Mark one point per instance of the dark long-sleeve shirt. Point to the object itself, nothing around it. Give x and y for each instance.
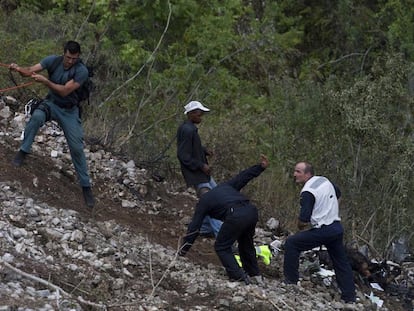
(219, 200)
(191, 154)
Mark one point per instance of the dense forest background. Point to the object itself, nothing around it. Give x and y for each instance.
(331, 82)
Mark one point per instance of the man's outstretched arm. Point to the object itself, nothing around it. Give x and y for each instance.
(241, 180)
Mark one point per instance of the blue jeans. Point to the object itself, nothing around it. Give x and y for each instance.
(210, 225)
(239, 225)
(332, 237)
(69, 121)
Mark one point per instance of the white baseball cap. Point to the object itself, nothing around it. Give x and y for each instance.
(194, 105)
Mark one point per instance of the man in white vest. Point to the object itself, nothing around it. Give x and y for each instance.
(319, 224)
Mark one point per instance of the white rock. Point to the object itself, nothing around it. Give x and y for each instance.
(8, 258)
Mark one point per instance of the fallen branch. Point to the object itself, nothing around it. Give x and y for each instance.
(285, 304)
(172, 263)
(266, 299)
(52, 286)
(372, 248)
(272, 303)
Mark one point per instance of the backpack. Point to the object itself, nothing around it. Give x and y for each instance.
(84, 91)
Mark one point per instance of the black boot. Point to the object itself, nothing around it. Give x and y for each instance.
(88, 196)
(19, 158)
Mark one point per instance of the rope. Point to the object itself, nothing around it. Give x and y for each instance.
(17, 86)
(21, 70)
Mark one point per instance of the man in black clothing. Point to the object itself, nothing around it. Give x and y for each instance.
(193, 159)
(239, 216)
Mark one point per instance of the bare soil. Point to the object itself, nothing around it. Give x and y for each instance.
(66, 193)
(163, 228)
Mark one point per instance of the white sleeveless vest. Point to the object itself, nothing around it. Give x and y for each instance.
(325, 210)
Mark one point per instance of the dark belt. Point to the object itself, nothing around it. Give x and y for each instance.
(336, 221)
(237, 204)
(68, 105)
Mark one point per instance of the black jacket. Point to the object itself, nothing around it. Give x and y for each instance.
(218, 201)
(191, 154)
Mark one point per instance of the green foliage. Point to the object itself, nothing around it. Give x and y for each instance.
(134, 54)
(297, 80)
(397, 15)
(375, 117)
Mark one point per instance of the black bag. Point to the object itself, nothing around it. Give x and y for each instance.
(84, 91)
(36, 103)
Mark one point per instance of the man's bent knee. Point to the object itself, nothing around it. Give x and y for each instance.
(38, 117)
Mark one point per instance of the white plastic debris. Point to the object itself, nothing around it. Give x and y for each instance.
(374, 299)
(275, 247)
(376, 286)
(325, 273)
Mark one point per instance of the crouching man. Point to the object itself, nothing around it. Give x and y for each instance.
(239, 216)
(320, 224)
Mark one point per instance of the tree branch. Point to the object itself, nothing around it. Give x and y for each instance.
(339, 59)
(150, 58)
(51, 285)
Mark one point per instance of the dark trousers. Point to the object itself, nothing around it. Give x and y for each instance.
(69, 121)
(239, 225)
(332, 237)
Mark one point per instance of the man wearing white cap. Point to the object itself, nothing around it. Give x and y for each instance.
(193, 159)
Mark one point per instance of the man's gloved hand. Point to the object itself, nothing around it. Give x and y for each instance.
(185, 247)
(182, 252)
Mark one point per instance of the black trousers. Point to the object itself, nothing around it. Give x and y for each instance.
(332, 237)
(239, 225)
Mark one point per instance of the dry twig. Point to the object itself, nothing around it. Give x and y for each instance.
(52, 286)
(166, 271)
(150, 58)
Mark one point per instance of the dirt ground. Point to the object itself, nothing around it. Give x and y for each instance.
(67, 194)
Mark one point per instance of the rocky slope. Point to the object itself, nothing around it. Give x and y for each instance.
(55, 254)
